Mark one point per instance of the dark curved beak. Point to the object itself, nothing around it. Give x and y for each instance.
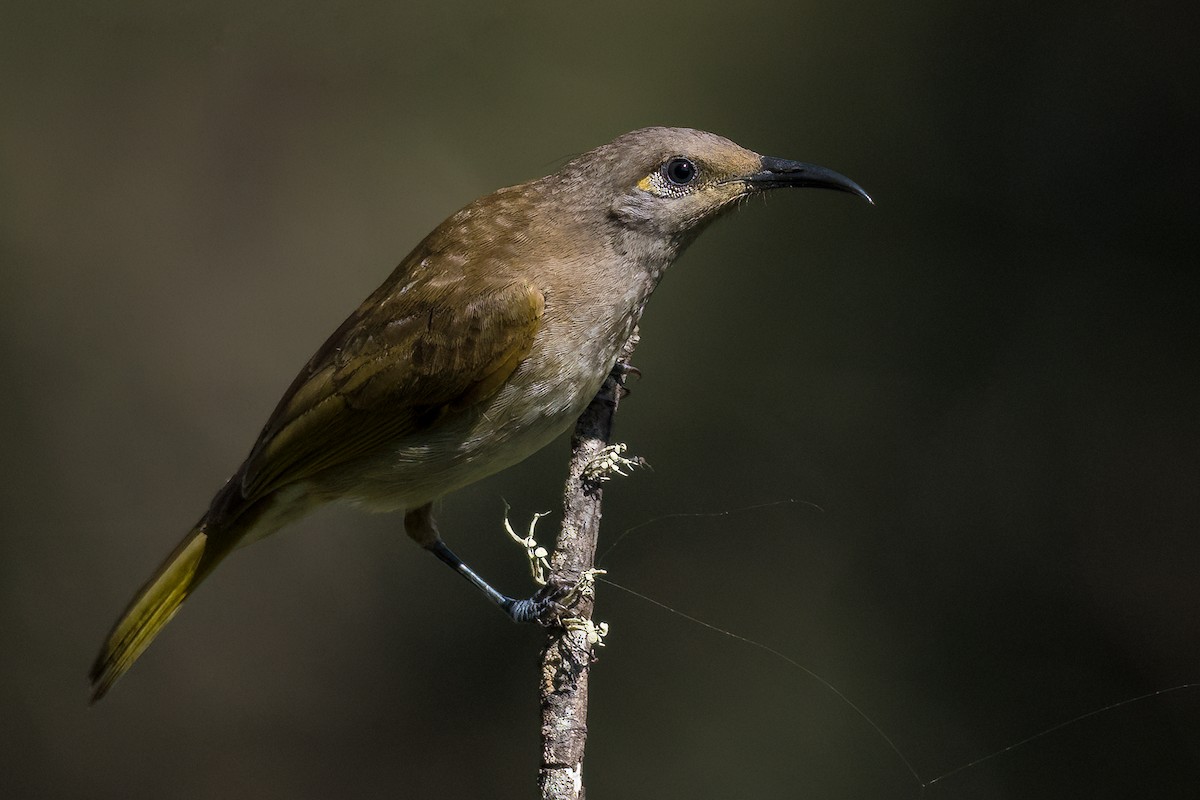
(779, 173)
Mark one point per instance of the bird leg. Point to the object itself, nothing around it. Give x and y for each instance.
(539, 566)
(547, 603)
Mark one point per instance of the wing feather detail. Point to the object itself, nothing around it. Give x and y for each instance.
(385, 375)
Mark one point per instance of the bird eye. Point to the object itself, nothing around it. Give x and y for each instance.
(679, 171)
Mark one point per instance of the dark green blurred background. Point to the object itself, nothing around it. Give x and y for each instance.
(987, 383)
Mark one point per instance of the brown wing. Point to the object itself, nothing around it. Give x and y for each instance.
(409, 354)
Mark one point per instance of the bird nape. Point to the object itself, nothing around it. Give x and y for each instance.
(485, 343)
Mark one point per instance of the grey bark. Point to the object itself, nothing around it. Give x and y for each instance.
(567, 657)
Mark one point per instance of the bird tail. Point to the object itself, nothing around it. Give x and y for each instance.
(154, 606)
(231, 521)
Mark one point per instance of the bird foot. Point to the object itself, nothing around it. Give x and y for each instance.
(550, 603)
(622, 369)
(546, 605)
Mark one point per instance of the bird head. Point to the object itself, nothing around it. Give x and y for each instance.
(670, 181)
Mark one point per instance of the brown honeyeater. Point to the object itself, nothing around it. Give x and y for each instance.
(485, 343)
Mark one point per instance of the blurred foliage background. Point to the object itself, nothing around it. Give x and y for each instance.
(981, 396)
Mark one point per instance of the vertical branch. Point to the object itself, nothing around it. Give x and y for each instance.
(567, 656)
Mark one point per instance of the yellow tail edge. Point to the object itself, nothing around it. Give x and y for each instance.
(151, 609)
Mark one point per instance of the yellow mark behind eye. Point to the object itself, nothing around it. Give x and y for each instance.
(645, 184)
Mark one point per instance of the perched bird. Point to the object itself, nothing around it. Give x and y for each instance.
(486, 342)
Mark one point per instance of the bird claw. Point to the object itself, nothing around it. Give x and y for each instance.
(585, 587)
(545, 606)
(549, 603)
(622, 369)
